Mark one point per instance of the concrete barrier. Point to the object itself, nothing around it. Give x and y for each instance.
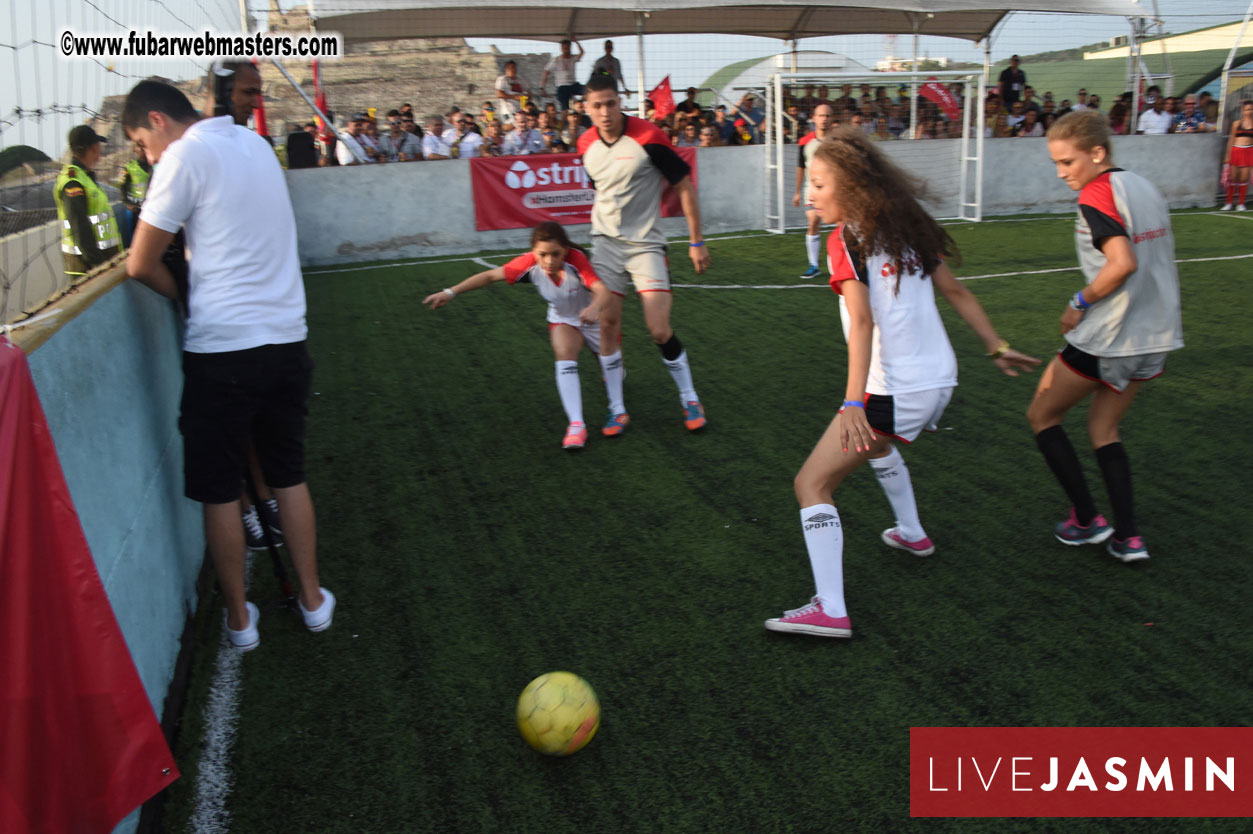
(421, 209)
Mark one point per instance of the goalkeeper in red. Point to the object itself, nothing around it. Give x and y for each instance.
(630, 162)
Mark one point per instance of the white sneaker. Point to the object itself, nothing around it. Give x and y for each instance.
(319, 620)
(247, 638)
(1226, 207)
(1241, 207)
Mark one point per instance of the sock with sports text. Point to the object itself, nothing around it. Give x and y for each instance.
(1061, 458)
(812, 242)
(824, 539)
(1116, 469)
(675, 357)
(568, 388)
(893, 476)
(614, 372)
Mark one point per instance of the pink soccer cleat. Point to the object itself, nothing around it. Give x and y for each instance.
(576, 436)
(811, 619)
(922, 547)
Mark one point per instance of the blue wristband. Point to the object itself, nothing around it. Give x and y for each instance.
(854, 404)
(702, 243)
(1078, 302)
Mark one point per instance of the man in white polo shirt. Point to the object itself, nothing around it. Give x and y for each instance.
(1155, 121)
(247, 372)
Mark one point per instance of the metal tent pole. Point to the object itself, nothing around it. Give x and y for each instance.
(639, 42)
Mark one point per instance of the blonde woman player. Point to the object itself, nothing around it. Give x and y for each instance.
(1118, 329)
(1240, 158)
(886, 259)
(565, 279)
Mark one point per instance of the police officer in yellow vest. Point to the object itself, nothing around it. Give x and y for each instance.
(89, 232)
(134, 187)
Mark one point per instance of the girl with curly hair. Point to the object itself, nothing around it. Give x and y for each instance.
(886, 258)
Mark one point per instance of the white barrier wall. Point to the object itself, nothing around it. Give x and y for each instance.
(425, 209)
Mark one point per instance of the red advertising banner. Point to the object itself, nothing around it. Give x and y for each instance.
(939, 94)
(82, 747)
(1081, 771)
(518, 192)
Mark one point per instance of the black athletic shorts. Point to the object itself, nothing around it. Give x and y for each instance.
(259, 395)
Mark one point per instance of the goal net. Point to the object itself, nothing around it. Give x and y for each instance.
(929, 123)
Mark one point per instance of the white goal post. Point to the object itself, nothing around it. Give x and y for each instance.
(952, 168)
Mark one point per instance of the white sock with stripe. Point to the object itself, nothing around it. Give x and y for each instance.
(812, 242)
(614, 372)
(568, 388)
(824, 539)
(681, 373)
(893, 476)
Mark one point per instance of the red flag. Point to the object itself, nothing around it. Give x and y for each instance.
(319, 98)
(940, 94)
(258, 114)
(663, 99)
(82, 747)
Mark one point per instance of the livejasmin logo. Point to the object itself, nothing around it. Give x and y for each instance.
(1080, 771)
(1023, 776)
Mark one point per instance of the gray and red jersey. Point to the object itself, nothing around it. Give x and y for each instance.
(909, 350)
(567, 294)
(629, 176)
(1143, 315)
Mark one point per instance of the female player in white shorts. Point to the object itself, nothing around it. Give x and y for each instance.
(566, 280)
(886, 260)
(1118, 328)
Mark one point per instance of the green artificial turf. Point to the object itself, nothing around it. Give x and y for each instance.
(470, 554)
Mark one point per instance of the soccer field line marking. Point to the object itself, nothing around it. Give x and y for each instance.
(1229, 214)
(959, 278)
(482, 262)
(213, 773)
(214, 777)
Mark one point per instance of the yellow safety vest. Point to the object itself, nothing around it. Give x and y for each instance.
(99, 212)
(138, 188)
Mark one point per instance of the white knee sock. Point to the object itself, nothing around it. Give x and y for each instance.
(824, 539)
(568, 388)
(681, 373)
(893, 476)
(612, 369)
(811, 248)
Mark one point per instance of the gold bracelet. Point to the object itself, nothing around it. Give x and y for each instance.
(1000, 350)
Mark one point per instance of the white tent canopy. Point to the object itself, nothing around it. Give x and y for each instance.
(552, 20)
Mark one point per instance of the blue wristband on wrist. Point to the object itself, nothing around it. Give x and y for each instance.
(702, 243)
(854, 404)
(1079, 303)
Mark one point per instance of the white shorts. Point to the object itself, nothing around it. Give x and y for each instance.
(905, 416)
(591, 332)
(619, 263)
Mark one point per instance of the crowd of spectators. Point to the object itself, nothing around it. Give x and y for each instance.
(520, 122)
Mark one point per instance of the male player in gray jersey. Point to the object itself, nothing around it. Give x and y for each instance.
(630, 162)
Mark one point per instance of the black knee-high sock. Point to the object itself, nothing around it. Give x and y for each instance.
(672, 349)
(1116, 468)
(1061, 458)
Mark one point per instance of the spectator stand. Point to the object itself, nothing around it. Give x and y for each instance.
(961, 193)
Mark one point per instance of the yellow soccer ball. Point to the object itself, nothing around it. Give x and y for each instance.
(558, 713)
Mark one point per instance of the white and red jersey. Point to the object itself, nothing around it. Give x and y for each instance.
(1143, 315)
(909, 350)
(629, 176)
(567, 294)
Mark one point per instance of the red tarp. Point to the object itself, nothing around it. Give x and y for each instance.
(517, 192)
(80, 747)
